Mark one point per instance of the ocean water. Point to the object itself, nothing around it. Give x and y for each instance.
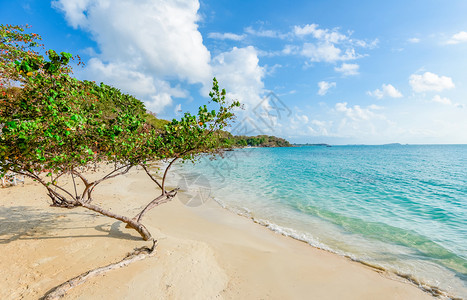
(399, 207)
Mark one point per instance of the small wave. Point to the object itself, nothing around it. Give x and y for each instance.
(286, 231)
(314, 242)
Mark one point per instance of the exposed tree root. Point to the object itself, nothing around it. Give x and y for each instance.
(138, 254)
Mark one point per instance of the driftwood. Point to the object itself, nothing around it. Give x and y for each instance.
(60, 290)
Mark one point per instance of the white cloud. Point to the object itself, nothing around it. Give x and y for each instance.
(360, 123)
(387, 90)
(355, 112)
(402, 121)
(330, 45)
(375, 107)
(158, 102)
(226, 36)
(152, 42)
(430, 82)
(305, 30)
(74, 11)
(414, 40)
(324, 86)
(460, 37)
(373, 44)
(302, 118)
(239, 72)
(266, 33)
(118, 74)
(348, 69)
(442, 100)
(290, 49)
(326, 52)
(319, 45)
(330, 36)
(301, 125)
(319, 128)
(156, 93)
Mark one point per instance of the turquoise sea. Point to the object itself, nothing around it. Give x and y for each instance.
(399, 207)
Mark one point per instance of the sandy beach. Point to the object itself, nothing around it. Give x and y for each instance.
(203, 253)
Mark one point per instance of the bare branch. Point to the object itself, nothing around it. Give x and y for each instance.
(165, 174)
(112, 175)
(158, 201)
(60, 291)
(90, 187)
(150, 175)
(47, 186)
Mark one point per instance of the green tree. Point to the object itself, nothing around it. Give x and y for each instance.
(55, 128)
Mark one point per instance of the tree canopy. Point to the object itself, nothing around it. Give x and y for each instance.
(55, 128)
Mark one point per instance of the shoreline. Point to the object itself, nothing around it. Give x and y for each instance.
(204, 252)
(390, 274)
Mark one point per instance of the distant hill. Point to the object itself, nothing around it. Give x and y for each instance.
(238, 141)
(234, 141)
(154, 121)
(261, 141)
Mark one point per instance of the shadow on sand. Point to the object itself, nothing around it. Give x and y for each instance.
(27, 223)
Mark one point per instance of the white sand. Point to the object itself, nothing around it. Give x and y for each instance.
(203, 253)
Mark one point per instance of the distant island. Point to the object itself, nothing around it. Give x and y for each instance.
(312, 145)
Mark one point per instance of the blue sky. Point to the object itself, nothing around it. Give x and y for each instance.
(340, 72)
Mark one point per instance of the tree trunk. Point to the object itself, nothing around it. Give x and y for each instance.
(61, 201)
(142, 230)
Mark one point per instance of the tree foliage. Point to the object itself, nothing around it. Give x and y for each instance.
(16, 46)
(55, 128)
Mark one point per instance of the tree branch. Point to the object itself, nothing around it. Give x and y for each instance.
(165, 174)
(150, 176)
(158, 201)
(111, 175)
(51, 192)
(90, 188)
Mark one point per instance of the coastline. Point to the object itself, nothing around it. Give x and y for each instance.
(394, 275)
(204, 252)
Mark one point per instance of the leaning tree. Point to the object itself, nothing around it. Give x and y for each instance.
(55, 128)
